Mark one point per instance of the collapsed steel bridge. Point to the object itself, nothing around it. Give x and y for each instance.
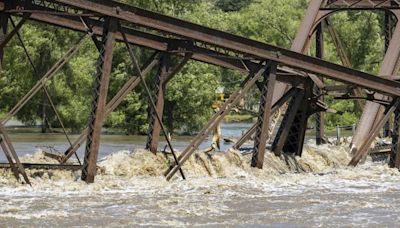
(292, 82)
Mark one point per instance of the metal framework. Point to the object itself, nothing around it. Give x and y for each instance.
(292, 82)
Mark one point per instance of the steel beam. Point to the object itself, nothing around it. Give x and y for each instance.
(389, 25)
(5, 40)
(44, 166)
(265, 111)
(363, 151)
(49, 75)
(344, 75)
(100, 91)
(153, 136)
(372, 110)
(363, 4)
(342, 53)
(113, 104)
(11, 155)
(319, 117)
(215, 120)
(3, 35)
(275, 107)
(287, 121)
(394, 161)
(295, 140)
(235, 43)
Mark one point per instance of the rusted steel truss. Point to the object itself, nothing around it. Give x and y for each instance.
(288, 75)
(100, 91)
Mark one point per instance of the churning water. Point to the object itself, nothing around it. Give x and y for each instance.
(222, 190)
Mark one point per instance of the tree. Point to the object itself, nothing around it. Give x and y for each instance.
(232, 5)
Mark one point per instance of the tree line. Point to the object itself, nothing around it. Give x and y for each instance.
(191, 93)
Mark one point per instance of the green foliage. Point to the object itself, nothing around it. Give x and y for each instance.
(232, 5)
(193, 92)
(190, 94)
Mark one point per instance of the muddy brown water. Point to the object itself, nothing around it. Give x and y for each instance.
(317, 190)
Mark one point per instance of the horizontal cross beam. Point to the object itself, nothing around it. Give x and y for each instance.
(234, 43)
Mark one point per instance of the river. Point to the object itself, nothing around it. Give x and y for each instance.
(316, 190)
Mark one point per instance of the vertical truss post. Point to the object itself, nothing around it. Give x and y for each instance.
(99, 100)
(264, 115)
(5, 142)
(113, 104)
(153, 136)
(394, 161)
(319, 116)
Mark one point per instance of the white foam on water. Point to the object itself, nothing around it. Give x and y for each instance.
(222, 189)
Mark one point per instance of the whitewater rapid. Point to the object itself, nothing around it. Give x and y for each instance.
(317, 189)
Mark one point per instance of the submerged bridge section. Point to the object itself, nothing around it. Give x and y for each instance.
(292, 82)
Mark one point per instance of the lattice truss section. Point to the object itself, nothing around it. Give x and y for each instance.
(363, 4)
(96, 94)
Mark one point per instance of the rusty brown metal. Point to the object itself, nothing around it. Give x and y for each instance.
(287, 122)
(372, 110)
(215, 120)
(113, 104)
(163, 77)
(394, 161)
(265, 111)
(232, 42)
(13, 32)
(320, 116)
(363, 151)
(215, 47)
(153, 136)
(277, 105)
(10, 152)
(39, 85)
(46, 92)
(152, 103)
(100, 92)
(3, 34)
(342, 53)
(362, 4)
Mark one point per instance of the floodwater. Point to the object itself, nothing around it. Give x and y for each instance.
(316, 190)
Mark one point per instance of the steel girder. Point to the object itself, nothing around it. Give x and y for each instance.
(362, 4)
(372, 113)
(153, 135)
(206, 40)
(233, 43)
(320, 116)
(264, 116)
(217, 118)
(100, 92)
